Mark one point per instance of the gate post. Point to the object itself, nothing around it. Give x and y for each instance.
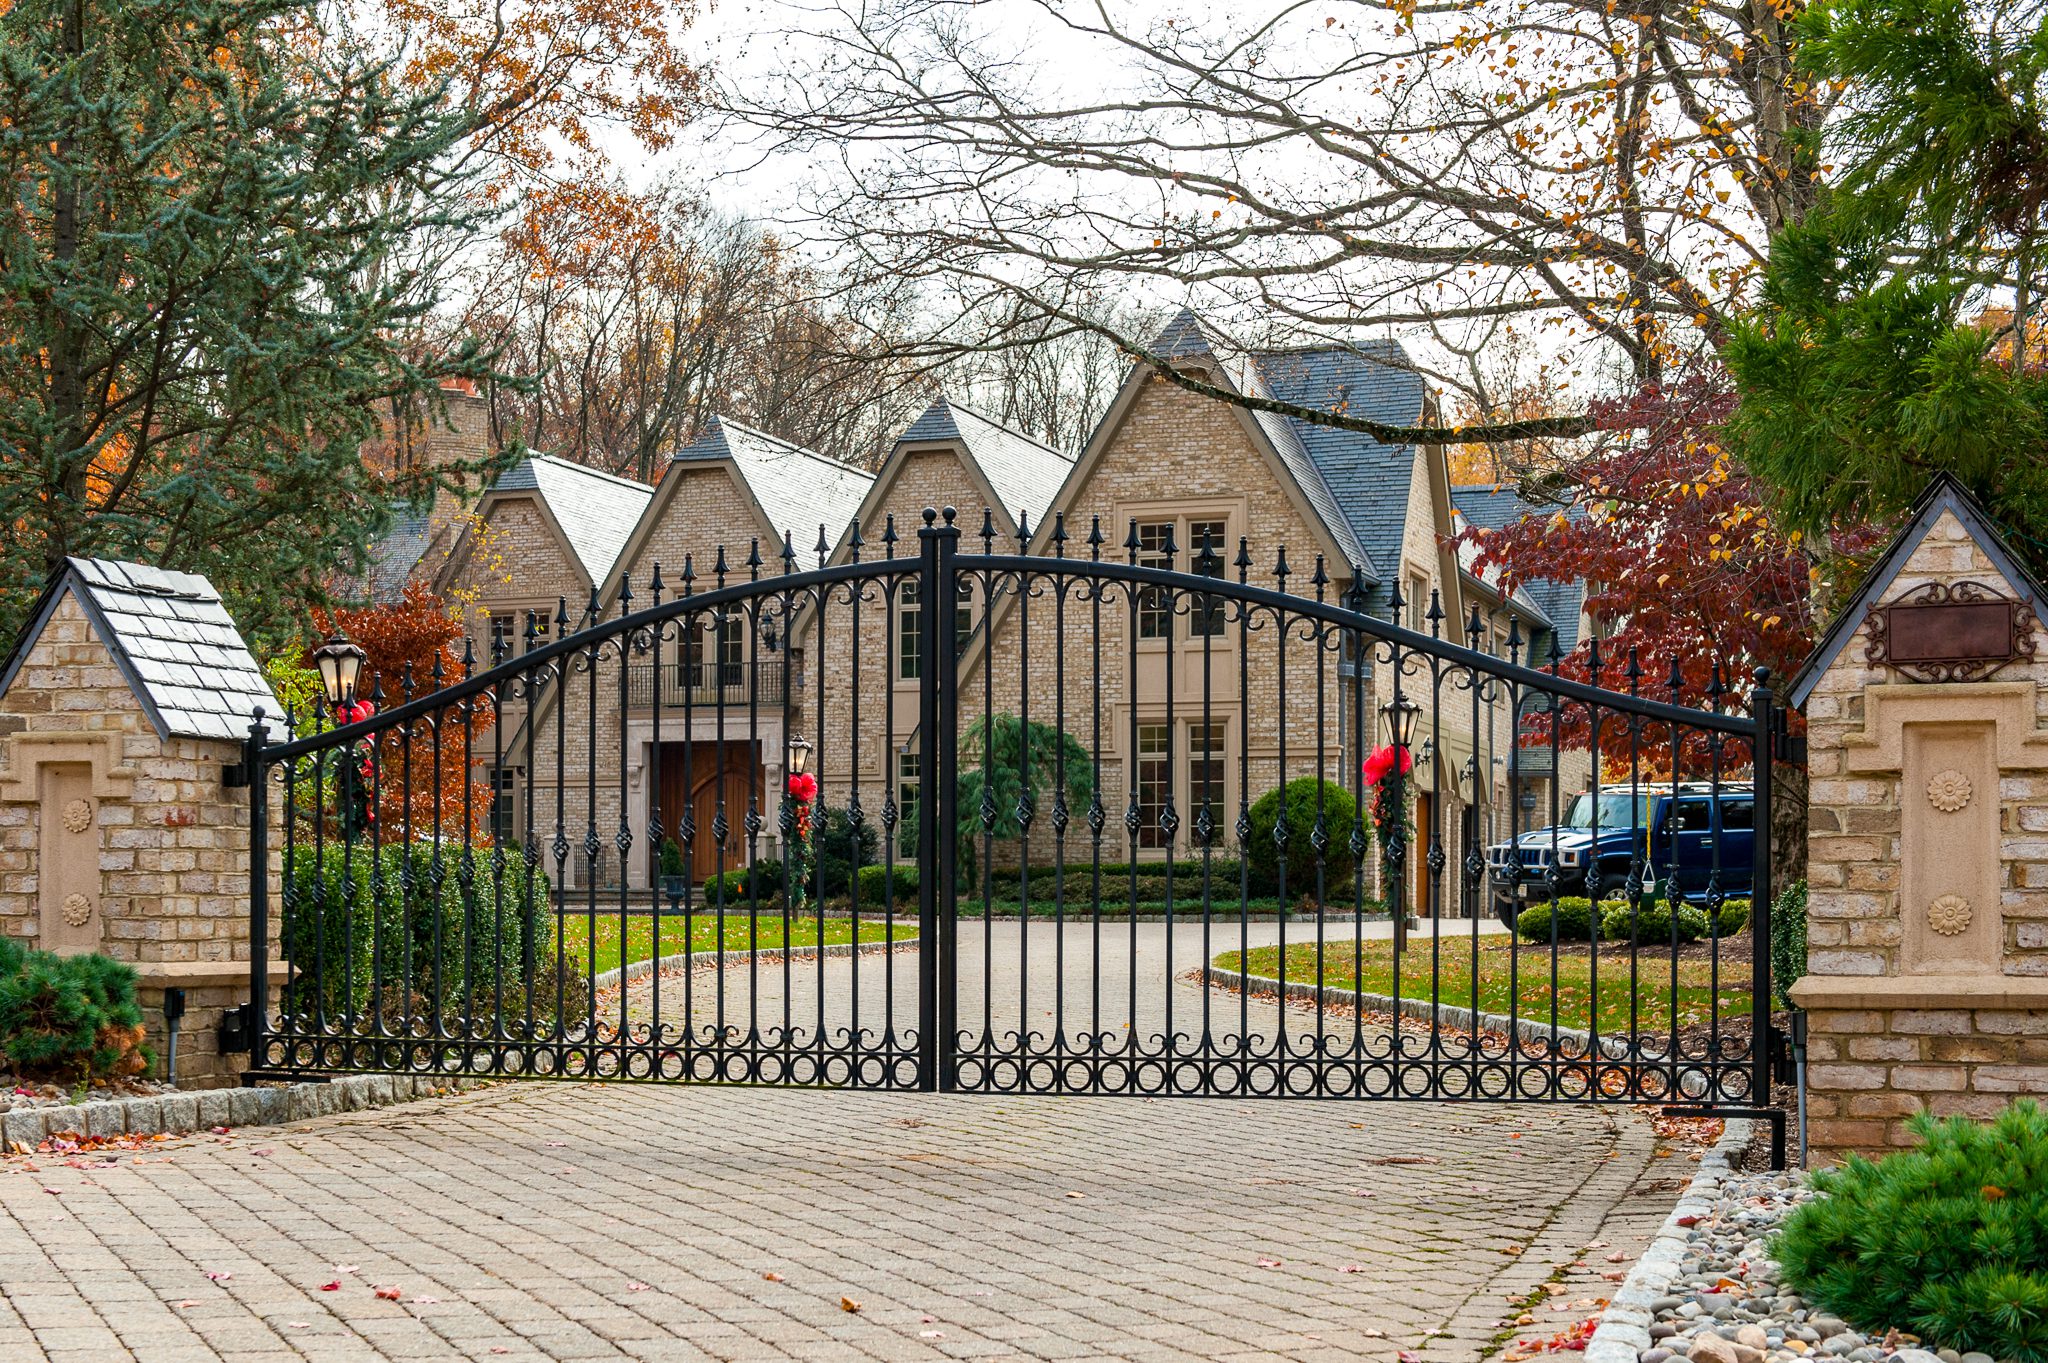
(257, 1025)
(1763, 708)
(937, 852)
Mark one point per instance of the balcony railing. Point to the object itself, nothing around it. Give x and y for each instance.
(708, 683)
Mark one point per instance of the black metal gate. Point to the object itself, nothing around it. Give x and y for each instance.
(1089, 816)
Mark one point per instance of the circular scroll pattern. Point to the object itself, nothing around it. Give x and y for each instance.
(1948, 791)
(1949, 915)
(77, 910)
(78, 816)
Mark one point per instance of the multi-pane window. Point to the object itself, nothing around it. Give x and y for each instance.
(1205, 550)
(1155, 782)
(1418, 603)
(908, 768)
(909, 633)
(504, 804)
(910, 626)
(1205, 770)
(504, 636)
(1155, 612)
(537, 623)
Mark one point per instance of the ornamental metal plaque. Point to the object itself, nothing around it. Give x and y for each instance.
(1940, 632)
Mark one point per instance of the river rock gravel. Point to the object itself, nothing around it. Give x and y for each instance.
(1726, 1304)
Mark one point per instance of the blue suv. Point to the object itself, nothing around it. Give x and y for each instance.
(1693, 837)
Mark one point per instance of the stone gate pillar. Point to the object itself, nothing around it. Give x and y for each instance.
(123, 710)
(1927, 725)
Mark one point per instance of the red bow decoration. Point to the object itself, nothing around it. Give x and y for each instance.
(1381, 763)
(803, 787)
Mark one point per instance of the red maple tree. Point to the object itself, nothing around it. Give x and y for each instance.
(1692, 583)
(414, 646)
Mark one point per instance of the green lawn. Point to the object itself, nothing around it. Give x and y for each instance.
(1498, 959)
(764, 934)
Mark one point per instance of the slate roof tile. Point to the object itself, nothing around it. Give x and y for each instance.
(172, 638)
(1026, 474)
(799, 489)
(597, 511)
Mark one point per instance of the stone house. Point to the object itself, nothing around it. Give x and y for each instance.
(705, 729)
(538, 548)
(123, 712)
(951, 455)
(1167, 472)
(1188, 732)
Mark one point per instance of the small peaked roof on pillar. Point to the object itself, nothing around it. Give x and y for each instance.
(173, 641)
(1944, 494)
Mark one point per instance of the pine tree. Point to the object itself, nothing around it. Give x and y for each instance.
(1863, 374)
(203, 290)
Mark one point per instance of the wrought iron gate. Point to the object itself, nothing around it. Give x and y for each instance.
(1080, 771)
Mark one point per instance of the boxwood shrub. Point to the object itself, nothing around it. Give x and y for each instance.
(1949, 1241)
(1338, 812)
(1573, 915)
(417, 929)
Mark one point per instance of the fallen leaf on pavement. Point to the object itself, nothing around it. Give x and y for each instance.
(219, 1275)
(931, 1334)
(849, 1305)
(772, 1276)
(393, 1293)
(1269, 1263)
(1618, 1257)
(1352, 1268)
(636, 1287)
(334, 1286)
(186, 1304)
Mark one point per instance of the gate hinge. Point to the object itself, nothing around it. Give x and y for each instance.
(237, 1029)
(1785, 1049)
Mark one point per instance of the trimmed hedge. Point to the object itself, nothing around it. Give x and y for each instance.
(1949, 1240)
(418, 929)
(1339, 814)
(1788, 941)
(69, 1018)
(1573, 916)
(1651, 924)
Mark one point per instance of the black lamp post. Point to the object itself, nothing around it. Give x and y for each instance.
(1397, 724)
(340, 664)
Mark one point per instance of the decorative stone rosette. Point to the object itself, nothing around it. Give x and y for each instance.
(78, 910)
(1949, 915)
(1948, 791)
(77, 816)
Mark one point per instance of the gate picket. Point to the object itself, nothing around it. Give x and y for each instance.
(1153, 697)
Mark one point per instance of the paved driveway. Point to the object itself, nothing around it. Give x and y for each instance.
(667, 1222)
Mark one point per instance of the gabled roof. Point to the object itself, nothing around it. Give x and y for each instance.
(595, 511)
(1369, 482)
(1188, 337)
(1944, 494)
(798, 490)
(1494, 507)
(1025, 474)
(172, 640)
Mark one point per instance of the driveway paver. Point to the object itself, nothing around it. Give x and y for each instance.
(561, 1221)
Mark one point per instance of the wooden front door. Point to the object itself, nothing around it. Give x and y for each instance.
(694, 777)
(1418, 853)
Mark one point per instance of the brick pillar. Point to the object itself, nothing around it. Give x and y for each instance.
(1928, 839)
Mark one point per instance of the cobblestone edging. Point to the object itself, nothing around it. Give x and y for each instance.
(1449, 1015)
(1624, 1329)
(180, 1114)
